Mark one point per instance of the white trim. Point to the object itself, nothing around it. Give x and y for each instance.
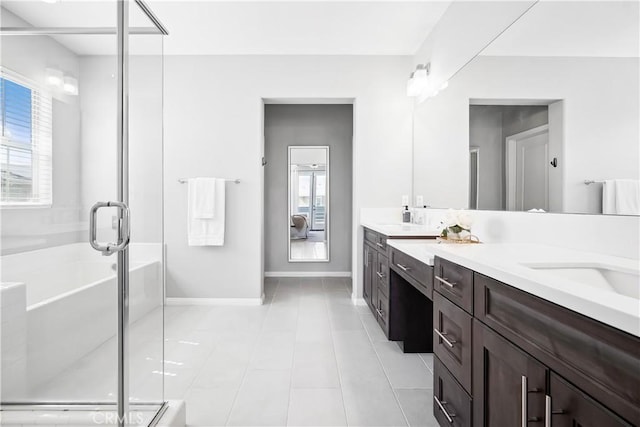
(307, 274)
(215, 301)
(358, 301)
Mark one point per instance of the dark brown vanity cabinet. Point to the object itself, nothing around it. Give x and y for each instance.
(569, 407)
(509, 385)
(532, 362)
(376, 277)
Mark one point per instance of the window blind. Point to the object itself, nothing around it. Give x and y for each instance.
(25, 142)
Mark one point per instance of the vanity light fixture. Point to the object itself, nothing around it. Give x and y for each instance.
(70, 85)
(54, 77)
(418, 80)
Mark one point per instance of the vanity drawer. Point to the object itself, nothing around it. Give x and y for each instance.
(420, 275)
(382, 274)
(376, 240)
(452, 338)
(382, 308)
(450, 397)
(454, 282)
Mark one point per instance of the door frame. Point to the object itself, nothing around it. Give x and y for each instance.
(511, 160)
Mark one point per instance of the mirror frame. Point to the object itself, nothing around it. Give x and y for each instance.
(327, 226)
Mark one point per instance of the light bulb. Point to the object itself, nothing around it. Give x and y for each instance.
(70, 85)
(54, 77)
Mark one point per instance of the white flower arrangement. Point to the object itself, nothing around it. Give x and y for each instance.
(456, 223)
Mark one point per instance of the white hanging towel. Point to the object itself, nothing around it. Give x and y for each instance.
(202, 197)
(627, 196)
(609, 197)
(206, 208)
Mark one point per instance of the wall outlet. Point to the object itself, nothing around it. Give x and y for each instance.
(419, 201)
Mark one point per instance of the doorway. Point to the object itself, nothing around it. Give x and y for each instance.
(308, 189)
(522, 153)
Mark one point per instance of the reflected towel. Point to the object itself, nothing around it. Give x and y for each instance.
(207, 231)
(627, 196)
(202, 197)
(621, 196)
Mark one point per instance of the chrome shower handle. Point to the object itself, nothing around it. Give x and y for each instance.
(124, 233)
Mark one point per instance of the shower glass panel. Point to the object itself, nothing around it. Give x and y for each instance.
(145, 201)
(58, 157)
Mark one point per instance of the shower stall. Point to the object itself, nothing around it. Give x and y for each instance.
(81, 213)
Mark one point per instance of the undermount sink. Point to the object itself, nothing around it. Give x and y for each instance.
(608, 278)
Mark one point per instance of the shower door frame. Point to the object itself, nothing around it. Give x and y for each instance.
(122, 32)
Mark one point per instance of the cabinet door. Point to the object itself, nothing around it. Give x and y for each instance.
(508, 384)
(569, 407)
(370, 258)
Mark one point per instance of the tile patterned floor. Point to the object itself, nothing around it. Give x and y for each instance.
(308, 357)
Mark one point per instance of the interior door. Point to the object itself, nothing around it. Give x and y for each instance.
(532, 180)
(527, 170)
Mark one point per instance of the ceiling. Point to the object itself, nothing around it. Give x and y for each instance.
(571, 28)
(252, 28)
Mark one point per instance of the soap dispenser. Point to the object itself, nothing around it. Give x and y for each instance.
(406, 214)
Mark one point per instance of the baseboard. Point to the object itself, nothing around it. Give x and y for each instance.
(358, 301)
(215, 301)
(307, 274)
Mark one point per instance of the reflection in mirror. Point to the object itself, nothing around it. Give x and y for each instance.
(308, 203)
(554, 108)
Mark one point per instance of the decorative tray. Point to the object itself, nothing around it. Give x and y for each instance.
(466, 240)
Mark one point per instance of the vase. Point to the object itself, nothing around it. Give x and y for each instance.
(453, 236)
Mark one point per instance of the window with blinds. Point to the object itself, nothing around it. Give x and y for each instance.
(25, 142)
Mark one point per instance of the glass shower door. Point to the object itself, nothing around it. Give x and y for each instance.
(81, 330)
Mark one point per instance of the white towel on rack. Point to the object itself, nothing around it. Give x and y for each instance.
(202, 197)
(207, 231)
(621, 196)
(609, 197)
(627, 196)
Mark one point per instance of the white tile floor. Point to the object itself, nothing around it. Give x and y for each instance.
(306, 357)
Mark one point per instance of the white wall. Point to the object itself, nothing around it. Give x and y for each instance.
(32, 228)
(601, 123)
(214, 127)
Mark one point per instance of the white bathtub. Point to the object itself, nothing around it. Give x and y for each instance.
(59, 304)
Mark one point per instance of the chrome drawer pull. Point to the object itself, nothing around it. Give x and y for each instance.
(380, 312)
(402, 267)
(380, 245)
(445, 282)
(444, 411)
(523, 391)
(548, 412)
(442, 336)
(380, 275)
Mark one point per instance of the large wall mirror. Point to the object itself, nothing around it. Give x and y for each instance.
(308, 199)
(547, 117)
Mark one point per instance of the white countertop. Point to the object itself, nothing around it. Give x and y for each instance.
(506, 262)
(419, 249)
(402, 229)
